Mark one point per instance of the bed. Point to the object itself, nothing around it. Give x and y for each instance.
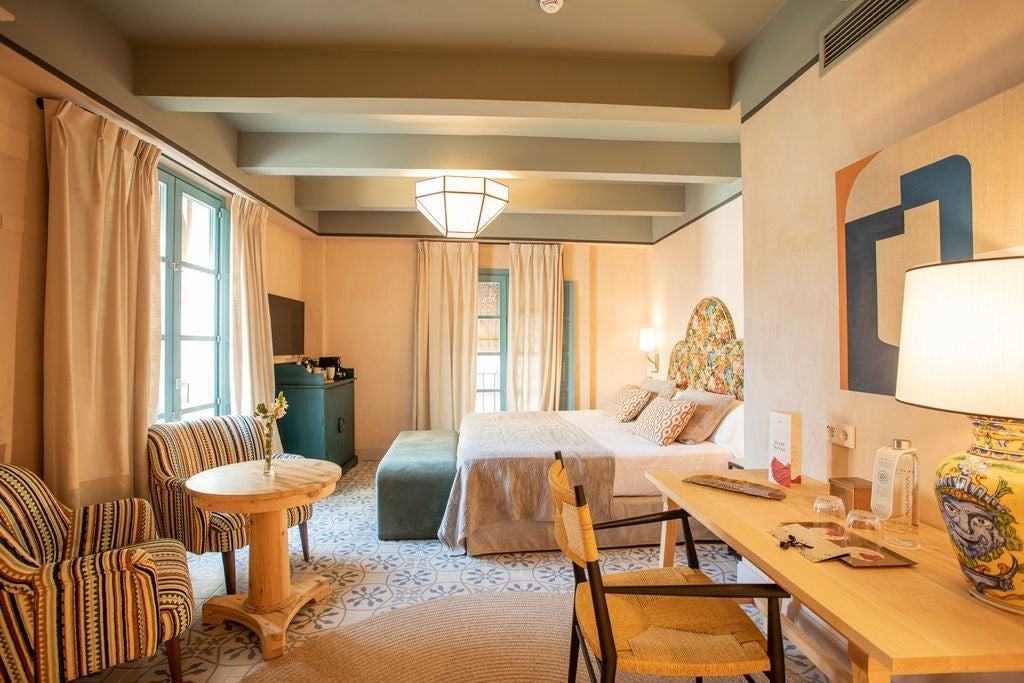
(499, 500)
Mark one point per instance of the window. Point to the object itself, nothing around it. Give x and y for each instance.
(491, 340)
(194, 295)
(492, 343)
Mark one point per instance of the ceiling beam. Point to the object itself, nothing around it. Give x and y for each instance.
(168, 73)
(620, 229)
(422, 156)
(526, 196)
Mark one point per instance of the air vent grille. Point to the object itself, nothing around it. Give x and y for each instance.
(854, 27)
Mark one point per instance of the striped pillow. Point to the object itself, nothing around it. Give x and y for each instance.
(627, 403)
(663, 419)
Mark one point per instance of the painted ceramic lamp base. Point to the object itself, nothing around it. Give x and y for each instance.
(981, 498)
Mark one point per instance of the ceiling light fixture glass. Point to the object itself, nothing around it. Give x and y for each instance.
(459, 206)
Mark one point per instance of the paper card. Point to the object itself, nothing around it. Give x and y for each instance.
(784, 447)
(807, 542)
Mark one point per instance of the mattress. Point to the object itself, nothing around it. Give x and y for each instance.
(635, 455)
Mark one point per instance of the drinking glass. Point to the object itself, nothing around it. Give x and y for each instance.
(829, 509)
(865, 524)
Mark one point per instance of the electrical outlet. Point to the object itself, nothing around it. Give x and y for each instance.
(841, 434)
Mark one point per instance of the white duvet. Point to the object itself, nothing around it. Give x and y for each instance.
(635, 455)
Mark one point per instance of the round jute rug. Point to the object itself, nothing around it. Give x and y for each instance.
(480, 638)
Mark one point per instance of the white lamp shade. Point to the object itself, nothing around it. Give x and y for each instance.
(459, 206)
(647, 342)
(962, 338)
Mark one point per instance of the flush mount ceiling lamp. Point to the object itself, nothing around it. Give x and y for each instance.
(459, 206)
(551, 6)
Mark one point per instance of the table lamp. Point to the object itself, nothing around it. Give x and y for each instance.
(962, 350)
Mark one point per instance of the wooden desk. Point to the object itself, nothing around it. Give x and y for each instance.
(273, 598)
(907, 620)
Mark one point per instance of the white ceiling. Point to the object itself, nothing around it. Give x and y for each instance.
(715, 29)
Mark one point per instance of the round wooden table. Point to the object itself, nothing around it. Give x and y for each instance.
(273, 598)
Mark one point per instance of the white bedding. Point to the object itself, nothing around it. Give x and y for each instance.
(635, 455)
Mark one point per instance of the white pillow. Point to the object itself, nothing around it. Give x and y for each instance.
(729, 432)
(665, 388)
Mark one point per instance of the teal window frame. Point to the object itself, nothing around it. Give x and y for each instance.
(567, 391)
(171, 264)
(499, 276)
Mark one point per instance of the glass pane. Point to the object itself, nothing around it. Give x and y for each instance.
(488, 372)
(488, 402)
(197, 232)
(161, 379)
(198, 299)
(163, 297)
(205, 412)
(197, 373)
(163, 219)
(488, 336)
(489, 294)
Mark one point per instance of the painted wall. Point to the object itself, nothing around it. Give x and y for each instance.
(703, 259)
(22, 273)
(940, 57)
(360, 305)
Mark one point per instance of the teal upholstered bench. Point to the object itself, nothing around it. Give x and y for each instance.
(414, 480)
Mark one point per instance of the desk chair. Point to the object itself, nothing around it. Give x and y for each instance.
(671, 621)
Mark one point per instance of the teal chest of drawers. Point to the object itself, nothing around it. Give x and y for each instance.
(321, 416)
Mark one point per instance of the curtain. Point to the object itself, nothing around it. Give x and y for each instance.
(101, 308)
(534, 326)
(445, 362)
(252, 354)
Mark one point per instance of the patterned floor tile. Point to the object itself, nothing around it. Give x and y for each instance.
(369, 577)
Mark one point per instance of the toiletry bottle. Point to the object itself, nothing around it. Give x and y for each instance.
(894, 493)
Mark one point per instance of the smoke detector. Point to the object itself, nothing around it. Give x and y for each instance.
(551, 6)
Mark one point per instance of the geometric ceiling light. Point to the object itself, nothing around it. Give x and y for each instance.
(459, 206)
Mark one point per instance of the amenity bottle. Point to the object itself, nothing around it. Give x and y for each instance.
(894, 495)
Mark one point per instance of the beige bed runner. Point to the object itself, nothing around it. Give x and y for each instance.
(501, 475)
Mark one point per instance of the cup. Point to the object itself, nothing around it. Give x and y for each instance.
(830, 509)
(865, 524)
(318, 371)
(329, 373)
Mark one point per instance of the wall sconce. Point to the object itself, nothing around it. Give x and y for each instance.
(647, 344)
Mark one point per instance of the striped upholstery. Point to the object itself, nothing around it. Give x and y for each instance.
(177, 450)
(84, 589)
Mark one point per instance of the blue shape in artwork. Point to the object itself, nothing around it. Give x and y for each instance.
(871, 363)
(948, 182)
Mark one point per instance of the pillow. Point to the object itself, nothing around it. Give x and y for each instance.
(627, 403)
(663, 419)
(711, 408)
(665, 388)
(730, 431)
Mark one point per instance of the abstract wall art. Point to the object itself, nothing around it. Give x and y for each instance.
(952, 192)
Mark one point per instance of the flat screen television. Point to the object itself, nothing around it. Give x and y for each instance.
(287, 325)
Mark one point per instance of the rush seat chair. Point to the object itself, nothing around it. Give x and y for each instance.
(670, 621)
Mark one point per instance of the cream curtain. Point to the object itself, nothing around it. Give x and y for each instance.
(534, 326)
(445, 362)
(101, 317)
(252, 354)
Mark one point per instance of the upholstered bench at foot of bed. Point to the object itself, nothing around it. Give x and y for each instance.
(414, 480)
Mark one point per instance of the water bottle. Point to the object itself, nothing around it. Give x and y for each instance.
(894, 493)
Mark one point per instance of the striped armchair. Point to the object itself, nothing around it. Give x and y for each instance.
(177, 450)
(83, 590)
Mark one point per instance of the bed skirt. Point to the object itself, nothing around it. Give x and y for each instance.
(523, 536)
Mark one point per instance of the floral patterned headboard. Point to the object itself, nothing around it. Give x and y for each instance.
(710, 357)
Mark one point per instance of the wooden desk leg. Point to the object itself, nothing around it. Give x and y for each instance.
(865, 669)
(669, 532)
